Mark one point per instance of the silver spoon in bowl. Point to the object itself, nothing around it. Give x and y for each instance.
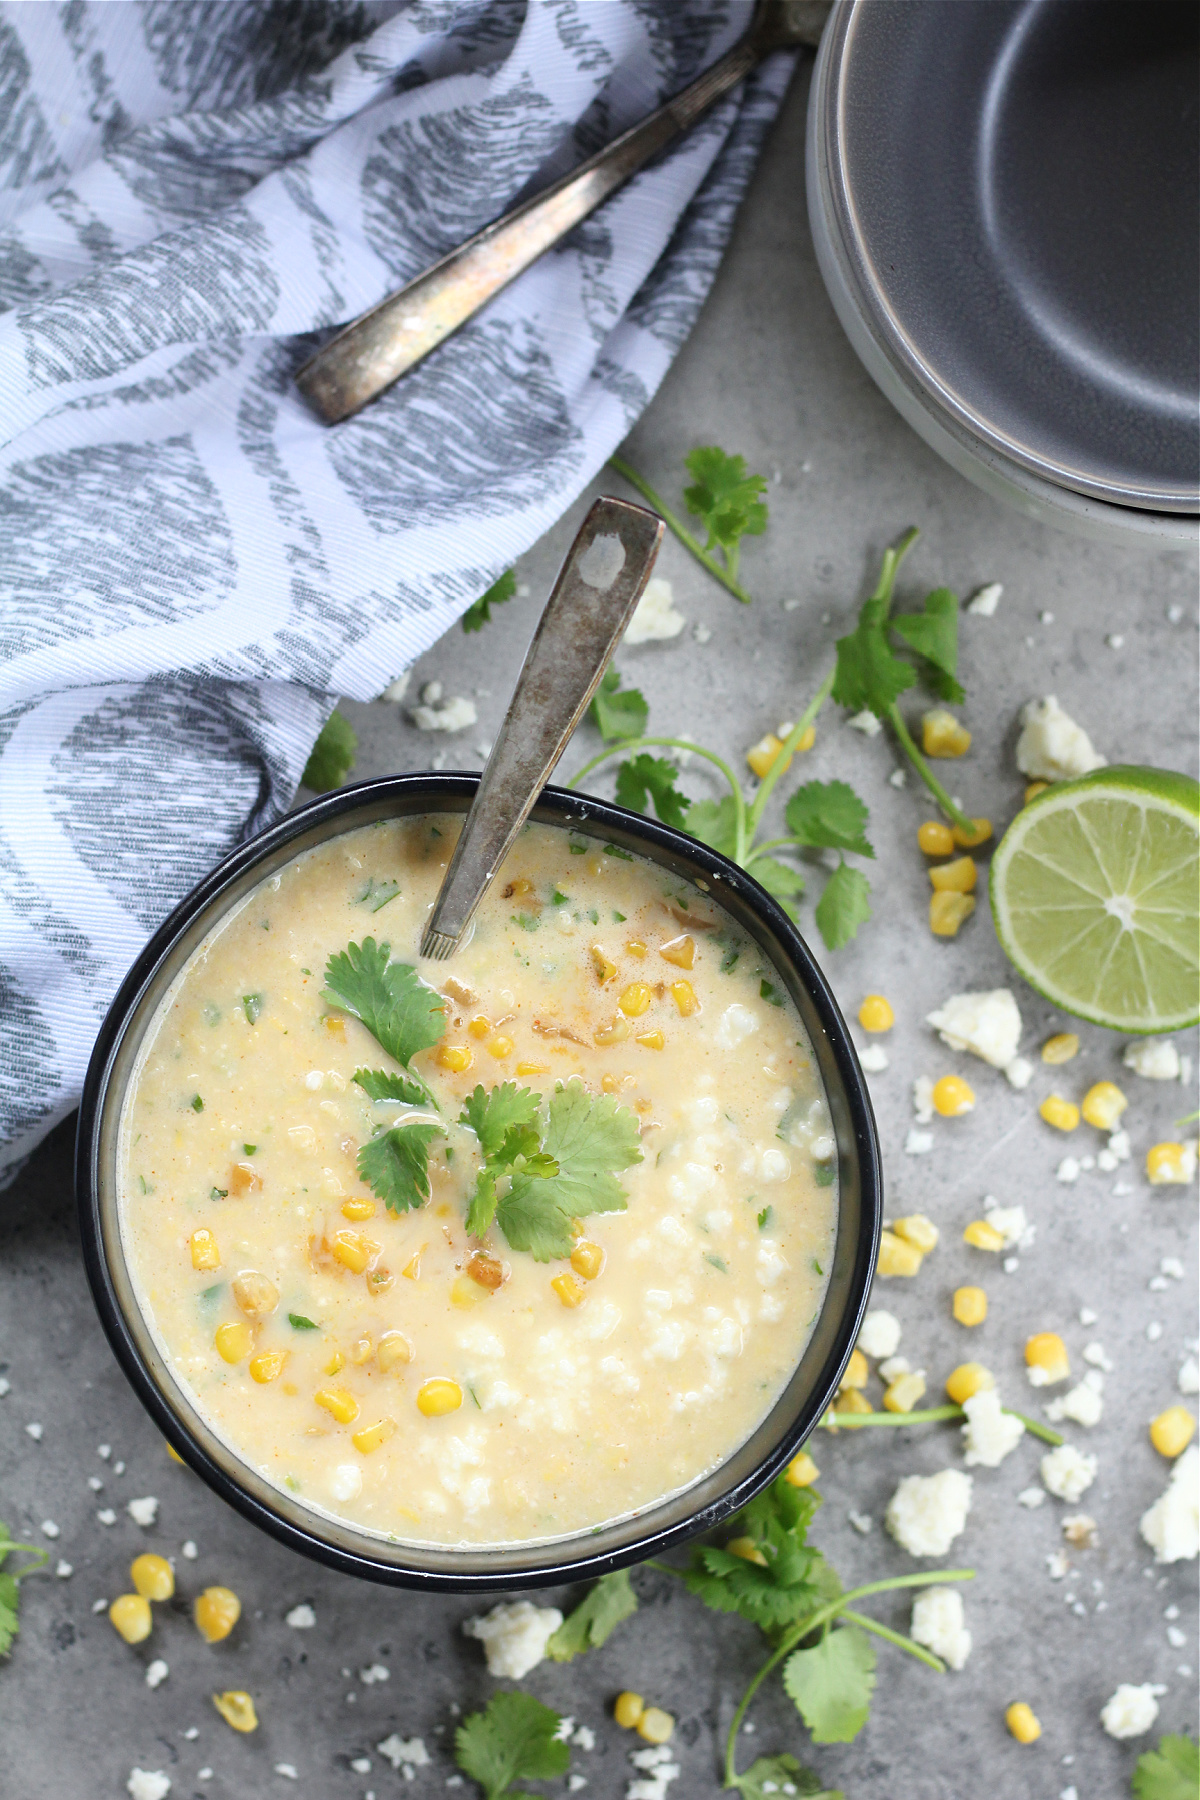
(592, 602)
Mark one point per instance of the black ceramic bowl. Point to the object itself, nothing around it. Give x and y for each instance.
(538, 1564)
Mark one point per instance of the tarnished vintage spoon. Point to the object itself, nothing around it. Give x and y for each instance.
(369, 354)
(598, 587)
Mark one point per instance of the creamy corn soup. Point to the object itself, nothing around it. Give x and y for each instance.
(484, 1251)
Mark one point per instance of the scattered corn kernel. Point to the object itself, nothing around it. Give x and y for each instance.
(1103, 1105)
(1023, 1722)
(587, 1259)
(1062, 1114)
(464, 1292)
(857, 1372)
(255, 1295)
(918, 1231)
(1060, 1048)
(568, 1289)
(267, 1365)
(747, 1549)
(897, 1257)
(358, 1210)
(353, 1250)
(205, 1254)
(1046, 1358)
(372, 1436)
(684, 996)
(152, 1576)
(875, 1014)
(130, 1615)
(651, 1040)
(636, 999)
(455, 1057)
(635, 947)
(412, 1268)
(1166, 1164)
(979, 833)
(616, 1032)
(802, 1471)
(337, 1361)
(763, 756)
(394, 1350)
(982, 1236)
(957, 877)
(970, 1305)
(934, 838)
(439, 1396)
(479, 1027)
(216, 1612)
(853, 1401)
(603, 967)
(942, 734)
(969, 1378)
(335, 1026)
(339, 1403)
(501, 1046)
(655, 1725)
(947, 912)
(237, 1709)
(903, 1394)
(952, 1096)
(361, 1351)
(233, 1341)
(1034, 789)
(628, 1709)
(1171, 1432)
(243, 1179)
(533, 1068)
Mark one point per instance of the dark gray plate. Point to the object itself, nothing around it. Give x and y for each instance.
(1019, 181)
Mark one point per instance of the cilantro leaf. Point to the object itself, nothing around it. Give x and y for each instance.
(779, 879)
(377, 1084)
(644, 778)
(844, 906)
(10, 1584)
(482, 1209)
(831, 1684)
(1171, 1772)
(479, 613)
(400, 1010)
(933, 634)
(332, 756)
(782, 1775)
(790, 1582)
(714, 822)
(828, 815)
(724, 497)
(492, 1116)
(533, 1219)
(590, 1139)
(299, 1322)
(869, 676)
(595, 1618)
(395, 1164)
(618, 715)
(513, 1740)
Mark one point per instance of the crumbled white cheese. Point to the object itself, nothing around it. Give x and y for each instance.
(1099, 1358)
(374, 1672)
(1058, 1565)
(301, 1618)
(189, 1550)
(655, 618)
(918, 1143)
(35, 1431)
(937, 1622)
(1088, 1315)
(660, 1771)
(880, 1334)
(922, 1099)
(5, 1386)
(701, 633)
(143, 1511)
(396, 690)
(1031, 1497)
(514, 1636)
(345, 1483)
(156, 1673)
(1080, 1529)
(1011, 1222)
(1068, 1473)
(927, 1512)
(148, 1784)
(1082, 1404)
(405, 1753)
(737, 1023)
(64, 1570)
(1131, 1711)
(866, 722)
(1052, 747)
(985, 600)
(990, 1434)
(1068, 1169)
(1171, 1526)
(898, 778)
(987, 1024)
(289, 1771)
(455, 714)
(874, 1059)
(862, 1522)
(1189, 1376)
(1019, 1072)
(106, 1516)
(50, 1529)
(894, 1367)
(1154, 1059)
(584, 1738)
(1172, 1268)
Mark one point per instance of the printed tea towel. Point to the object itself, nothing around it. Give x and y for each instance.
(191, 567)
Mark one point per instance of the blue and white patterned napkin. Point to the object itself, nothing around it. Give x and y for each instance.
(192, 568)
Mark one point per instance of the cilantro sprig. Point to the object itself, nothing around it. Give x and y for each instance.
(512, 1740)
(10, 1583)
(479, 613)
(333, 755)
(1170, 1772)
(594, 1620)
(726, 500)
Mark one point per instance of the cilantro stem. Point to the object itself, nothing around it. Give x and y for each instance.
(726, 577)
(954, 813)
(931, 1415)
(898, 1638)
(781, 761)
(890, 566)
(625, 745)
(41, 1558)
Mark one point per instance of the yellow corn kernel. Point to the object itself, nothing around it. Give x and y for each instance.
(358, 1210)
(205, 1254)
(237, 1709)
(1166, 1164)
(455, 1057)
(905, 1392)
(244, 1179)
(255, 1295)
(438, 1396)
(947, 912)
(479, 1027)
(942, 734)
(372, 1436)
(1062, 1114)
(500, 1047)
(679, 950)
(875, 1014)
(934, 838)
(636, 999)
(982, 1236)
(763, 756)
(339, 1403)
(655, 1725)
(952, 1096)
(587, 1259)
(747, 1549)
(353, 1250)
(615, 1032)
(857, 1373)
(651, 1040)
(628, 1709)
(802, 1471)
(233, 1341)
(267, 1365)
(635, 947)
(896, 1257)
(394, 1350)
(918, 1231)
(1061, 1047)
(853, 1401)
(464, 1292)
(611, 1084)
(216, 1612)
(522, 885)
(807, 738)
(1046, 1356)
(567, 1289)
(979, 833)
(684, 996)
(605, 969)
(152, 1576)
(1103, 1105)
(1034, 789)
(337, 1361)
(533, 1068)
(1023, 1722)
(335, 1026)
(130, 1615)
(412, 1268)
(969, 1378)
(970, 1305)
(1171, 1432)
(957, 877)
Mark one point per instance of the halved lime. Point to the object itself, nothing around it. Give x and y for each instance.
(1095, 892)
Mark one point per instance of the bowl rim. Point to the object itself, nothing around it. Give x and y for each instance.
(536, 1563)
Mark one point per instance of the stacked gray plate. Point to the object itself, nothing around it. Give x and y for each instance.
(1005, 198)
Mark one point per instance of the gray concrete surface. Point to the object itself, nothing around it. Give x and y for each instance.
(768, 373)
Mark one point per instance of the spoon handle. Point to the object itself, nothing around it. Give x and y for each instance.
(597, 589)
